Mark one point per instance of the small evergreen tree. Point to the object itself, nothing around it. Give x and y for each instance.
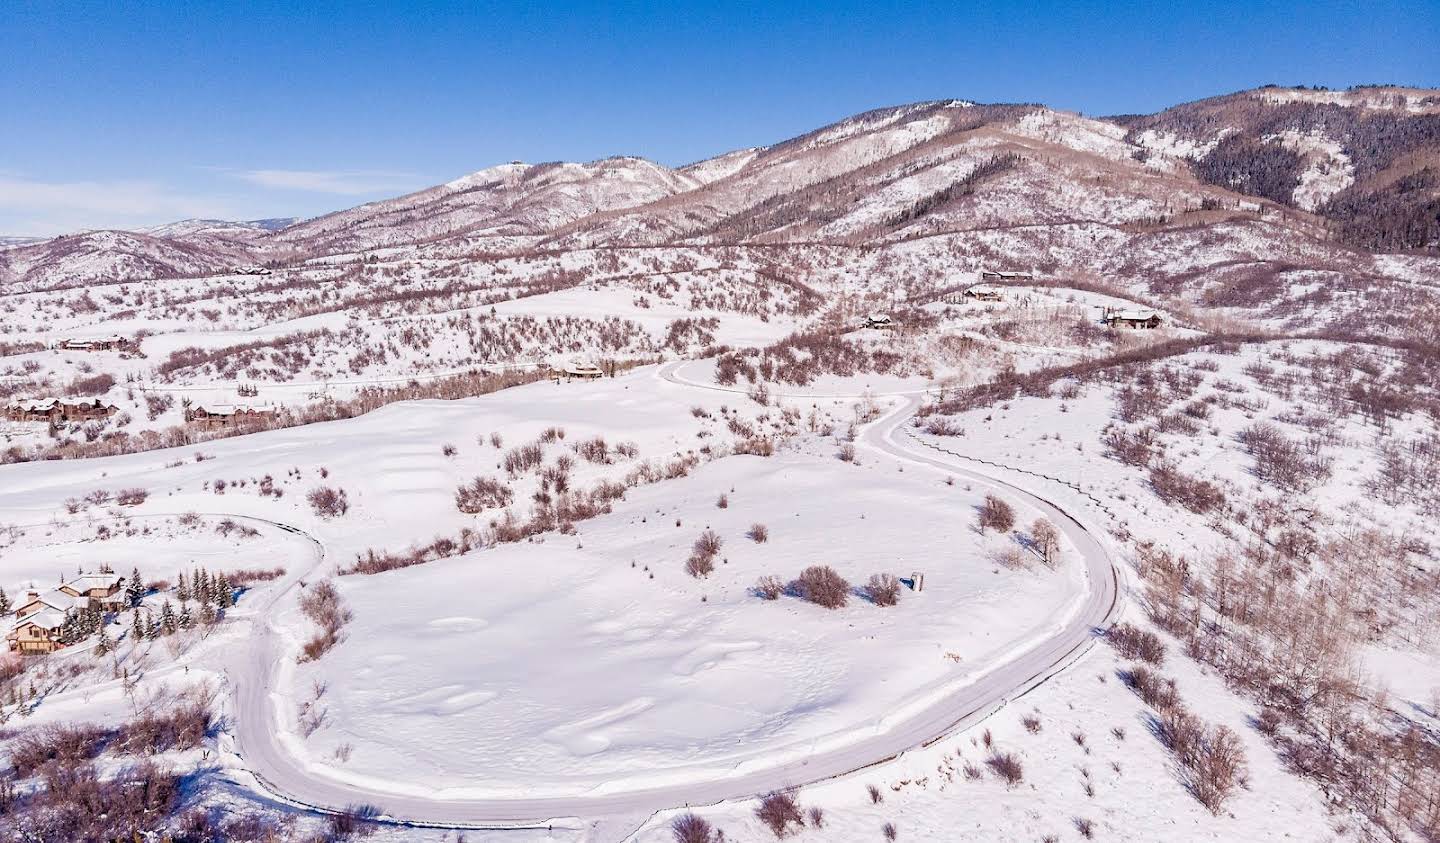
(137, 629)
(4, 603)
(168, 624)
(200, 584)
(103, 644)
(187, 619)
(182, 588)
(207, 613)
(225, 595)
(136, 589)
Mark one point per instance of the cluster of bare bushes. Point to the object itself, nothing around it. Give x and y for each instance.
(71, 797)
(555, 509)
(1211, 756)
(328, 502)
(371, 398)
(1289, 643)
(800, 358)
(1282, 462)
(322, 604)
(481, 494)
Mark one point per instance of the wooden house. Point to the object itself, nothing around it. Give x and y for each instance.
(36, 633)
(983, 292)
(114, 342)
(106, 589)
(582, 371)
(226, 415)
(879, 321)
(39, 621)
(1138, 319)
(1013, 277)
(58, 410)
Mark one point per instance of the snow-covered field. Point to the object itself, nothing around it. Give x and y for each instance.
(595, 660)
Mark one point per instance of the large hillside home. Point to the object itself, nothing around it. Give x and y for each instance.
(227, 415)
(107, 589)
(36, 633)
(40, 618)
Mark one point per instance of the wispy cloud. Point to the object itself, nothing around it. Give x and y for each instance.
(28, 206)
(337, 182)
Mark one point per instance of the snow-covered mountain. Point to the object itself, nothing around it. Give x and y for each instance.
(1274, 174)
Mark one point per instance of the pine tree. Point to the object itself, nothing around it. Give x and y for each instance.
(225, 595)
(187, 620)
(207, 613)
(103, 644)
(201, 586)
(4, 603)
(167, 618)
(136, 589)
(182, 588)
(137, 629)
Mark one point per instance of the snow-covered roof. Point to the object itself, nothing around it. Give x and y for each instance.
(582, 369)
(982, 289)
(229, 409)
(879, 317)
(35, 405)
(1132, 315)
(48, 618)
(85, 582)
(54, 598)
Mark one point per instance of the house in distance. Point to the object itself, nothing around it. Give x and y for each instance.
(1130, 318)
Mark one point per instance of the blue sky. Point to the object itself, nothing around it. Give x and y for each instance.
(126, 114)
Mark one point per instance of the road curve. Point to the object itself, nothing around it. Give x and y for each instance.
(260, 745)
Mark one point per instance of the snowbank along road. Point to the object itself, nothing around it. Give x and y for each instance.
(261, 735)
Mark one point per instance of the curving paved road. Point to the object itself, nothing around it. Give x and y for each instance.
(260, 737)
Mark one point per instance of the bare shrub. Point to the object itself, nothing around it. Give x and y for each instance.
(1032, 723)
(355, 820)
(131, 497)
(883, 589)
(691, 828)
(846, 452)
(322, 603)
(817, 816)
(1158, 692)
(523, 458)
(1007, 767)
(996, 514)
(1085, 827)
(702, 554)
(1045, 539)
(68, 744)
(1131, 642)
(1219, 767)
(595, 450)
(888, 829)
(769, 588)
(823, 586)
(723, 502)
(779, 811)
(328, 502)
(1174, 486)
(181, 728)
(481, 494)
(758, 533)
(876, 797)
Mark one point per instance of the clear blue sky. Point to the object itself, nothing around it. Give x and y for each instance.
(121, 113)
